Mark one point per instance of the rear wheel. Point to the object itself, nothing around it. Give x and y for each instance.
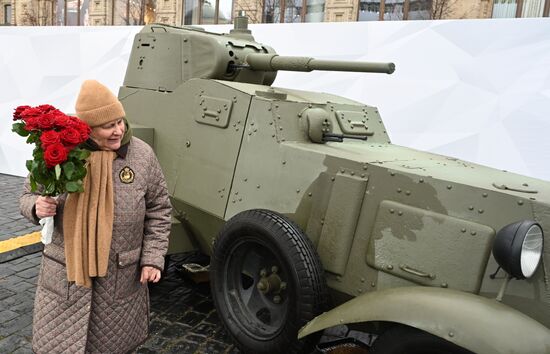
(408, 340)
(267, 282)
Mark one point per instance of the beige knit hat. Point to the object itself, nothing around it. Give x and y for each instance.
(96, 104)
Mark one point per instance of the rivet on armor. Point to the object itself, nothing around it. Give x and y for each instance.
(188, 143)
(258, 186)
(398, 190)
(255, 130)
(280, 128)
(399, 213)
(471, 207)
(284, 162)
(463, 230)
(389, 267)
(449, 186)
(309, 194)
(352, 173)
(480, 211)
(297, 191)
(444, 285)
(332, 179)
(240, 199)
(484, 195)
(392, 174)
(359, 290)
(365, 167)
(310, 105)
(520, 202)
(373, 284)
(362, 280)
(363, 175)
(421, 180)
(408, 192)
(269, 108)
(273, 135)
(473, 233)
(270, 123)
(251, 123)
(186, 61)
(392, 211)
(451, 334)
(246, 179)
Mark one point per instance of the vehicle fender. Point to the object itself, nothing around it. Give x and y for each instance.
(481, 325)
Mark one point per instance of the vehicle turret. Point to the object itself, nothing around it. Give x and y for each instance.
(165, 56)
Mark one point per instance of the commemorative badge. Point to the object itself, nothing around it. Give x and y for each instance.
(126, 175)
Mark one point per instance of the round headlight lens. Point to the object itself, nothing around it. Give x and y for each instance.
(518, 248)
(531, 251)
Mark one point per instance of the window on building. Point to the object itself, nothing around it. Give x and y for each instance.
(293, 11)
(207, 12)
(532, 8)
(419, 10)
(272, 11)
(393, 10)
(60, 12)
(7, 13)
(71, 12)
(315, 10)
(369, 10)
(520, 8)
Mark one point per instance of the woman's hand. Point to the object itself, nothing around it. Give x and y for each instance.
(45, 206)
(149, 274)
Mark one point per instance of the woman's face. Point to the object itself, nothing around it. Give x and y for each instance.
(109, 135)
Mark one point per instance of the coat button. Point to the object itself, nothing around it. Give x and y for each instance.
(88, 307)
(120, 264)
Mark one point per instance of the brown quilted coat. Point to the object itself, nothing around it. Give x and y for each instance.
(113, 316)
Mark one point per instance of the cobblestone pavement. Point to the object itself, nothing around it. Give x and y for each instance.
(12, 223)
(183, 318)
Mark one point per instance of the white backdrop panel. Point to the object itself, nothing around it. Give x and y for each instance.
(478, 90)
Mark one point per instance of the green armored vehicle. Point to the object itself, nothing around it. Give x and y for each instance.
(315, 223)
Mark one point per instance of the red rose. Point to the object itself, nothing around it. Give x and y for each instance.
(49, 137)
(62, 121)
(54, 155)
(70, 137)
(31, 123)
(30, 113)
(81, 126)
(47, 108)
(18, 111)
(46, 121)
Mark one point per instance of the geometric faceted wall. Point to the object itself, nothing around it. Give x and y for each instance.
(478, 90)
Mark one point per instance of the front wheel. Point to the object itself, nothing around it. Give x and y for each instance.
(408, 340)
(267, 282)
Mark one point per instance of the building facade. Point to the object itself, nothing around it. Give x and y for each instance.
(191, 12)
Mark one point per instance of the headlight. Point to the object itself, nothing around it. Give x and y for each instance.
(518, 248)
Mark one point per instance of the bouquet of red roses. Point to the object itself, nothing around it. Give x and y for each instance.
(58, 164)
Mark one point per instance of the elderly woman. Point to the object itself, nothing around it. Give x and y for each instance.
(109, 241)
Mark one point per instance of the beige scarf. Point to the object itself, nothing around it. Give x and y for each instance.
(88, 222)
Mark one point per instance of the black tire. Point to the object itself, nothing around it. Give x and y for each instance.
(408, 340)
(257, 240)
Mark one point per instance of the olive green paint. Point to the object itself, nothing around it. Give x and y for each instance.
(380, 215)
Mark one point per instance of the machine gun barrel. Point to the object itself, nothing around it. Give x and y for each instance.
(274, 62)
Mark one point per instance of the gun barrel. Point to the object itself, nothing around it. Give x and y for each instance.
(274, 62)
